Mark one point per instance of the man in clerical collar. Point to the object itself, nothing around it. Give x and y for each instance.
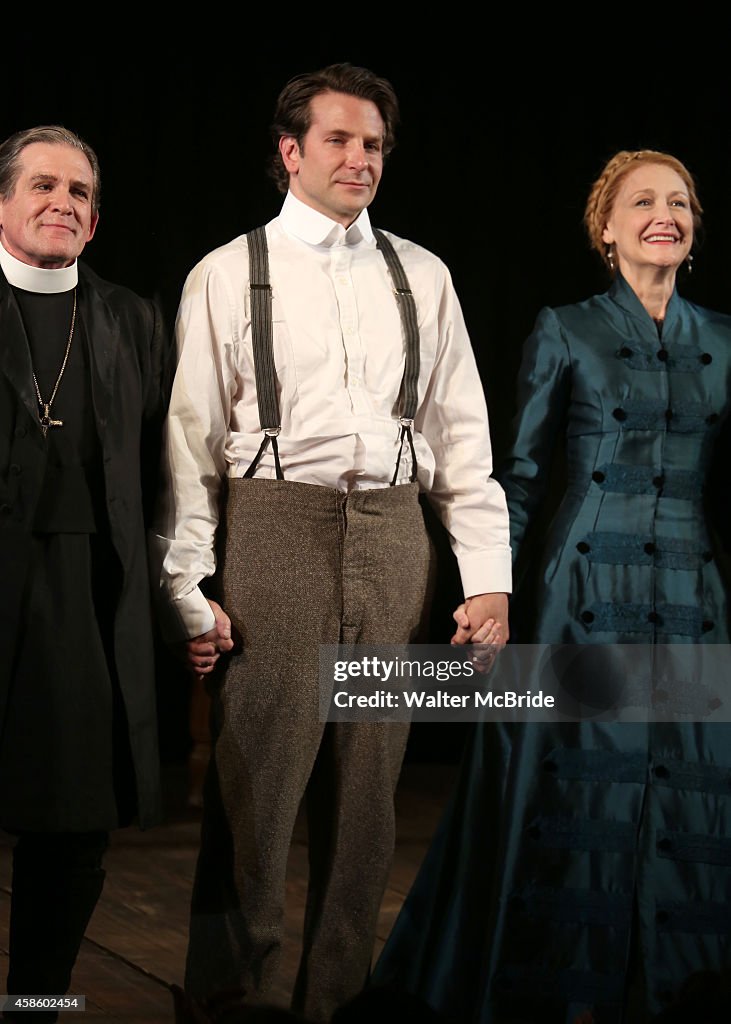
(79, 398)
(325, 377)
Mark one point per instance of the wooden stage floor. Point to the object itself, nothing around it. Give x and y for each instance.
(135, 944)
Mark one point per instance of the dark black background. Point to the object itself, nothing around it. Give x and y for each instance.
(504, 127)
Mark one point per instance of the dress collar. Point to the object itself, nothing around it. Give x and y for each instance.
(624, 295)
(37, 279)
(315, 228)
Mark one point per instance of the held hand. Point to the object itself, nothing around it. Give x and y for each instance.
(201, 653)
(483, 621)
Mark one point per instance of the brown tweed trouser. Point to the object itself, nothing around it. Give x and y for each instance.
(302, 565)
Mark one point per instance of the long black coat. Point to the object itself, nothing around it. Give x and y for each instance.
(125, 339)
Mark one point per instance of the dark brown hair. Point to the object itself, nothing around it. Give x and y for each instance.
(293, 114)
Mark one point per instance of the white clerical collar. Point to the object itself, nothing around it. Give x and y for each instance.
(37, 279)
(314, 227)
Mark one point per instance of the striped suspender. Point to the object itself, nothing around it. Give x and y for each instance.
(409, 322)
(263, 348)
(263, 345)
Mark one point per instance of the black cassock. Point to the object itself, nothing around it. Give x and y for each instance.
(70, 758)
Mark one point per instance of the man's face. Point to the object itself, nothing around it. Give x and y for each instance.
(337, 168)
(48, 219)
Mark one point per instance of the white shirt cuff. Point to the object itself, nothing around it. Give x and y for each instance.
(486, 572)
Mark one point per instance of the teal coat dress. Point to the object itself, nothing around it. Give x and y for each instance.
(588, 866)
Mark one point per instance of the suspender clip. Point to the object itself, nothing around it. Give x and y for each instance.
(272, 431)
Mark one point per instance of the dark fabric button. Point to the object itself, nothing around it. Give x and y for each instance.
(20, 431)
(5, 510)
(625, 352)
(15, 469)
(598, 477)
(534, 832)
(712, 417)
(662, 771)
(662, 917)
(662, 355)
(706, 358)
(707, 626)
(664, 845)
(620, 415)
(658, 481)
(653, 617)
(668, 414)
(550, 766)
(587, 617)
(583, 547)
(707, 556)
(649, 548)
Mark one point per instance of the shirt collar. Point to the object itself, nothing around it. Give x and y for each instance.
(37, 279)
(315, 228)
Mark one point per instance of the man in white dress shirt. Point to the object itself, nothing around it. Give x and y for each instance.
(291, 517)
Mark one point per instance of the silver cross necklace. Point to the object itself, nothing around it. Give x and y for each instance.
(44, 408)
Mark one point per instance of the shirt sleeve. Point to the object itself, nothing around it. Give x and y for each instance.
(453, 420)
(193, 451)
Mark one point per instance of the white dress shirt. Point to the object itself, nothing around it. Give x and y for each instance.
(339, 357)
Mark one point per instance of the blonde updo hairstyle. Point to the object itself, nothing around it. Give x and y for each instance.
(604, 193)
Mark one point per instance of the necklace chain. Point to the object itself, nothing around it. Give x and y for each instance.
(44, 413)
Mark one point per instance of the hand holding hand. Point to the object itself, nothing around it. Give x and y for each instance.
(483, 620)
(201, 653)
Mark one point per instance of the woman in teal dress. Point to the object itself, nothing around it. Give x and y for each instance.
(586, 868)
